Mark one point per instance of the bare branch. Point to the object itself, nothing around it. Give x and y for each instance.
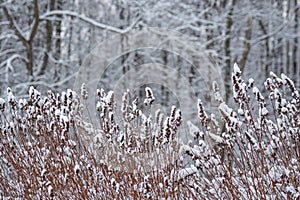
(14, 25)
(36, 21)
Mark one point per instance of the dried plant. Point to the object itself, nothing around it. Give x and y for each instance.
(257, 156)
(48, 151)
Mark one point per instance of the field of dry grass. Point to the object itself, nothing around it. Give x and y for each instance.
(248, 151)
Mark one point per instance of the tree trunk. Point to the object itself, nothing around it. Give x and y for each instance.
(295, 57)
(57, 52)
(266, 63)
(247, 46)
(49, 30)
(227, 47)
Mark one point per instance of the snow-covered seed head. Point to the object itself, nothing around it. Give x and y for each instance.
(236, 69)
(149, 93)
(276, 80)
(70, 94)
(101, 93)
(157, 114)
(135, 105)
(250, 83)
(263, 112)
(51, 95)
(33, 93)
(193, 129)
(64, 98)
(202, 114)
(149, 96)
(110, 99)
(178, 117)
(258, 96)
(2, 104)
(111, 117)
(269, 85)
(11, 98)
(84, 92)
(173, 112)
(289, 82)
(215, 87)
(22, 103)
(217, 94)
(76, 169)
(167, 130)
(159, 117)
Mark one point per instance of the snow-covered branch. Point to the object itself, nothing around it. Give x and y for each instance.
(51, 86)
(48, 15)
(9, 61)
(266, 36)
